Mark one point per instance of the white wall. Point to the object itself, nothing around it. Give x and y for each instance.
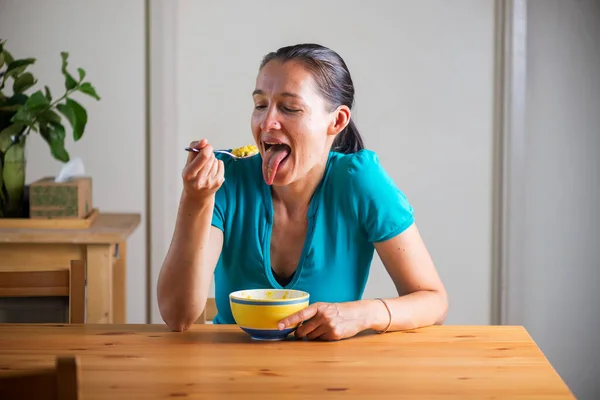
(424, 80)
(106, 38)
(562, 235)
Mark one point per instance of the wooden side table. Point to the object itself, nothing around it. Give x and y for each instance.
(103, 246)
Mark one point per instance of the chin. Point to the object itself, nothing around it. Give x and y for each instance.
(283, 181)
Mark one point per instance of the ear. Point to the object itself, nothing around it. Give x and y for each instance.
(341, 119)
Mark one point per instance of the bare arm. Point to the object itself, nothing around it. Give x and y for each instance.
(187, 270)
(186, 274)
(422, 297)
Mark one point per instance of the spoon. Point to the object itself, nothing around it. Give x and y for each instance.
(192, 149)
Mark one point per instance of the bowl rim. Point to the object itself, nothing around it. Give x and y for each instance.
(305, 296)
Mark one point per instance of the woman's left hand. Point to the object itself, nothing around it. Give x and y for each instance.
(326, 321)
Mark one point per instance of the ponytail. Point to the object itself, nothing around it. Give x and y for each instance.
(349, 140)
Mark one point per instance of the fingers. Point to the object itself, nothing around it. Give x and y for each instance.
(220, 172)
(205, 166)
(320, 332)
(210, 173)
(203, 173)
(198, 161)
(309, 327)
(298, 317)
(322, 321)
(196, 145)
(214, 168)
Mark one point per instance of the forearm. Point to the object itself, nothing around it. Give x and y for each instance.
(185, 277)
(415, 310)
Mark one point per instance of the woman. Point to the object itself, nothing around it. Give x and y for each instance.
(306, 213)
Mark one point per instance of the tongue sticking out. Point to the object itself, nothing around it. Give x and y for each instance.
(274, 155)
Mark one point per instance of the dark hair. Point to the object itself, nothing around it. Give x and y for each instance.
(334, 82)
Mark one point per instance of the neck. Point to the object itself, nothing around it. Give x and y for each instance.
(296, 196)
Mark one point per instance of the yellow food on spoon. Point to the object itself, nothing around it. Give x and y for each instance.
(244, 151)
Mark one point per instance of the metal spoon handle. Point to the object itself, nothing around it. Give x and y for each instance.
(216, 151)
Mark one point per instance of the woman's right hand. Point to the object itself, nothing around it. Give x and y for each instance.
(203, 173)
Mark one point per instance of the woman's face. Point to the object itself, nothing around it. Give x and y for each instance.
(291, 122)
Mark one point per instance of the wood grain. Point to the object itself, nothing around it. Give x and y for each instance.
(100, 279)
(119, 272)
(77, 292)
(34, 283)
(28, 257)
(59, 383)
(107, 228)
(215, 361)
(56, 223)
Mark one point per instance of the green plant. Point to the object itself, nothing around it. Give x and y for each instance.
(21, 114)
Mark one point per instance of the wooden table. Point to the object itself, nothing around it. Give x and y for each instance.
(103, 246)
(212, 361)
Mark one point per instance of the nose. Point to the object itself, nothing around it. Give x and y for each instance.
(270, 121)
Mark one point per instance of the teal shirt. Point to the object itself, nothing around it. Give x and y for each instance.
(356, 205)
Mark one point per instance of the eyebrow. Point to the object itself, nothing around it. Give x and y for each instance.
(284, 94)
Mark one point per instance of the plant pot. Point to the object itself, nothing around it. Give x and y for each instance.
(12, 180)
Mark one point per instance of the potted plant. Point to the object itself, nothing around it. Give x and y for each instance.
(22, 113)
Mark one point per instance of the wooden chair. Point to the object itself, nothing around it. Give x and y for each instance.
(59, 383)
(210, 311)
(69, 282)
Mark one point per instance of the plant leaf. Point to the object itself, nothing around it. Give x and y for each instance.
(23, 82)
(76, 115)
(14, 102)
(54, 134)
(49, 116)
(1, 61)
(37, 101)
(27, 113)
(1, 184)
(81, 73)
(88, 89)
(48, 94)
(6, 135)
(66, 110)
(64, 56)
(70, 82)
(13, 107)
(8, 58)
(17, 71)
(18, 66)
(18, 98)
(23, 116)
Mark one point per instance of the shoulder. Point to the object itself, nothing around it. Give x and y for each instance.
(358, 170)
(363, 189)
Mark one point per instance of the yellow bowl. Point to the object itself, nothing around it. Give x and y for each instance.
(258, 311)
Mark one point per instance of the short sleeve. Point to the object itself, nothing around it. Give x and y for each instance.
(382, 209)
(220, 209)
(218, 217)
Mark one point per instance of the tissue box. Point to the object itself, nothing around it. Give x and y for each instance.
(64, 200)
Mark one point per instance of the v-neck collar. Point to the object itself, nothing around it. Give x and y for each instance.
(312, 210)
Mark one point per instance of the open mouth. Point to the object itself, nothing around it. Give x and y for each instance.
(275, 154)
(275, 146)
